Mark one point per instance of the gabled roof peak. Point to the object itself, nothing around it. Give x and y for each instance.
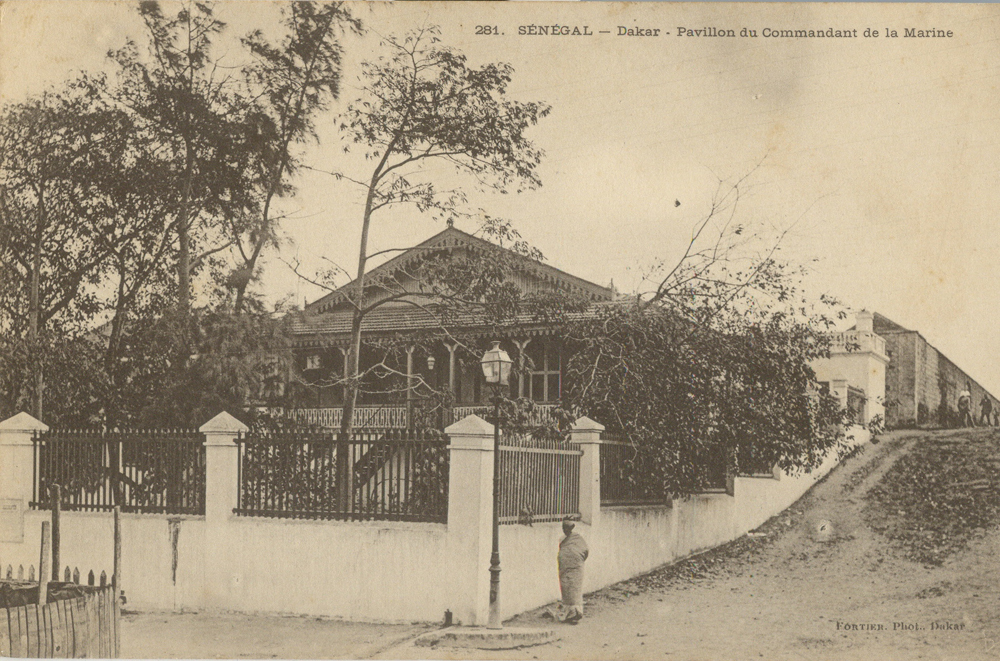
(452, 237)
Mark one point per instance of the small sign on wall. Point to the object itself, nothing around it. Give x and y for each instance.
(11, 520)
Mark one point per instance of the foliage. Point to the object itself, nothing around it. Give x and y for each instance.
(118, 190)
(75, 384)
(711, 369)
(195, 116)
(237, 363)
(695, 394)
(52, 149)
(296, 80)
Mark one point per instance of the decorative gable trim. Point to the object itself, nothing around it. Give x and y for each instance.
(451, 239)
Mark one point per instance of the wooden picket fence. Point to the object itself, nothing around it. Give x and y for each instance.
(84, 627)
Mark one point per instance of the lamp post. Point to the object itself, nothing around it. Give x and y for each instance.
(496, 368)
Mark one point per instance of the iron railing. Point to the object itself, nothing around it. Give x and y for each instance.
(754, 462)
(143, 471)
(395, 416)
(540, 414)
(395, 475)
(628, 475)
(539, 480)
(713, 468)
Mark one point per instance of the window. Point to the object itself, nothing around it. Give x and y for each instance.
(543, 363)
(313, 362)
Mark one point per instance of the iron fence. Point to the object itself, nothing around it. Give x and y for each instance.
(628, 474)
(143, 471)
(712, 468)
(539, 480)
(753, 462)
(394, 475)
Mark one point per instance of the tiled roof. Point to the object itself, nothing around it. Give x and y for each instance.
(391, 319)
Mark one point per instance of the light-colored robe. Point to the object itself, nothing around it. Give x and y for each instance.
(572, 554)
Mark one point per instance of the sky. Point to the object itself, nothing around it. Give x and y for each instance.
(878, 154)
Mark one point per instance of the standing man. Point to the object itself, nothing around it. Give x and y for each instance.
(965, 408)
(985, 411)
(572, 554)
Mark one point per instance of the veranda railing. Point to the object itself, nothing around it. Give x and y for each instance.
(144, 471)
(395, 474)
(364, 416)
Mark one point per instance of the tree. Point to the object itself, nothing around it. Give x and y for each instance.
(238, 363)
(424, 103)
(194, 114)
(293, 82)
(710, 369)
(52, 251)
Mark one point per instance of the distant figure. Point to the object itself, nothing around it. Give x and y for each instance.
(965, 408)
(572, 553)
(985, 412)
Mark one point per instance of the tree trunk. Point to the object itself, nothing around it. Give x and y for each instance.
(34, 307)
(184, 235)
(344, 465)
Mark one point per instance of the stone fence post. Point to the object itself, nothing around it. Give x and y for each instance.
(221, 497)
(17, 456)
(470, 517)
(587, 434)
(17, 470)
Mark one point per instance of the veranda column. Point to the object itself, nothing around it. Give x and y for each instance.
(452, 348)
(221, 498)
(409, 385)
(521, 346)
(587, 434)
(17, 470)
(470, 517)
(343, 390)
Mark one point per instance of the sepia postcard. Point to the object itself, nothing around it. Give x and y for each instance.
(499, 330)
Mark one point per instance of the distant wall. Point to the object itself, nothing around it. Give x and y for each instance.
(922, 385)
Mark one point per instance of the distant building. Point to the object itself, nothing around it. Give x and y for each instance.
(855, 372)
(922, 385)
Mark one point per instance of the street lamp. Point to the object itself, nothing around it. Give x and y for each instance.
(496, 368)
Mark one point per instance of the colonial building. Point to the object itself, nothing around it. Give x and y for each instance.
(412, 346)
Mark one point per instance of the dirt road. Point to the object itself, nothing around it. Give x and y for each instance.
(796, 591)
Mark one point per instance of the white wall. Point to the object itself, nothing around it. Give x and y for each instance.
(388, 571)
